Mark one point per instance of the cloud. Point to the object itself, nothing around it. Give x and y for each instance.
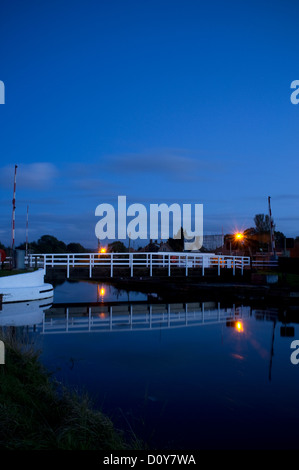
(180, 165)
(34, 176)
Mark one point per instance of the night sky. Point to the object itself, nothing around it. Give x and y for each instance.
(161, 101)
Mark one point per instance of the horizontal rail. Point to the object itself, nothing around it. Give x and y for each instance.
(264, 263)
(137, 260)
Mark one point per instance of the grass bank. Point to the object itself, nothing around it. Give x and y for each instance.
(36, 414)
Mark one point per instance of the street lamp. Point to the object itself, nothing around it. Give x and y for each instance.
(239, 236)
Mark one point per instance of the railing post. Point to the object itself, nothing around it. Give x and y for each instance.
(234, 266)
(131, 263)
(186, 267)
(218, 265)
(111, 265)
(90, 266)
(68, 266)
(151, 265)
(202, 267)
(168, 264)
(242, 266)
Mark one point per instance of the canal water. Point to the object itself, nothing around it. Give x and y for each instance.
(198, 375)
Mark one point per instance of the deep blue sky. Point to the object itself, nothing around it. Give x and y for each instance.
(161, 101)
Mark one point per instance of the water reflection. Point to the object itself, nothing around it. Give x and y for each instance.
(139, 316)
(176, 371)
(24, 313)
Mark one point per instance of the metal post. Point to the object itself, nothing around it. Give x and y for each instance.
(26, 250)
(151, 265)
(234, 266)
(168, 265)
(218, 265)
(68, 267)
(90, 267)
(111, 265)
(13, 215)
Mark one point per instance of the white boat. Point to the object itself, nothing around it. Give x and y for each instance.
(25, 287)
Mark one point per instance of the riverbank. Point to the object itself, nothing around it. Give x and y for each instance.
(36, 413)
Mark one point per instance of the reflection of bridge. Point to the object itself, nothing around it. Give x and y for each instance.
(136, 316)
(147, 261)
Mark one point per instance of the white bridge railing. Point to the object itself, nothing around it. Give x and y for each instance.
(171, 261)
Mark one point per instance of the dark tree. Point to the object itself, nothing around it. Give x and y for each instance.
(117, 247)
(262, 223)
(75, 248)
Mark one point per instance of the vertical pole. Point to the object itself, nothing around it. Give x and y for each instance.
(90, 267)
(186, 267)
(234, 266)
(131, 263)
(271, 229)
(168, 265)
(111, 265)
(14, 215)
(26, 251)
(68, 267)
(218, 265)
(151, 265)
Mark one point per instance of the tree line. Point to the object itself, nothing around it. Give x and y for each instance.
(255, 237)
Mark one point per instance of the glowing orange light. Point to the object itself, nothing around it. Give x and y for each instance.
(239, 236)
(102, 315)
(102, 291)
(239, 327)
(103, 250)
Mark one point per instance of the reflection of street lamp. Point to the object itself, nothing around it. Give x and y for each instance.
(100, 292)
(239, 327)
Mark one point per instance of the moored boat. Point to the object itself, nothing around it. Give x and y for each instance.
(25, 287)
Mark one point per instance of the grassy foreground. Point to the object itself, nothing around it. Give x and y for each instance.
(35, 414)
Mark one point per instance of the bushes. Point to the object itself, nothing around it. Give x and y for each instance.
(35, 414)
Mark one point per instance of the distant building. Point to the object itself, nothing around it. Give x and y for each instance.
(164, 247)
(212, 242)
